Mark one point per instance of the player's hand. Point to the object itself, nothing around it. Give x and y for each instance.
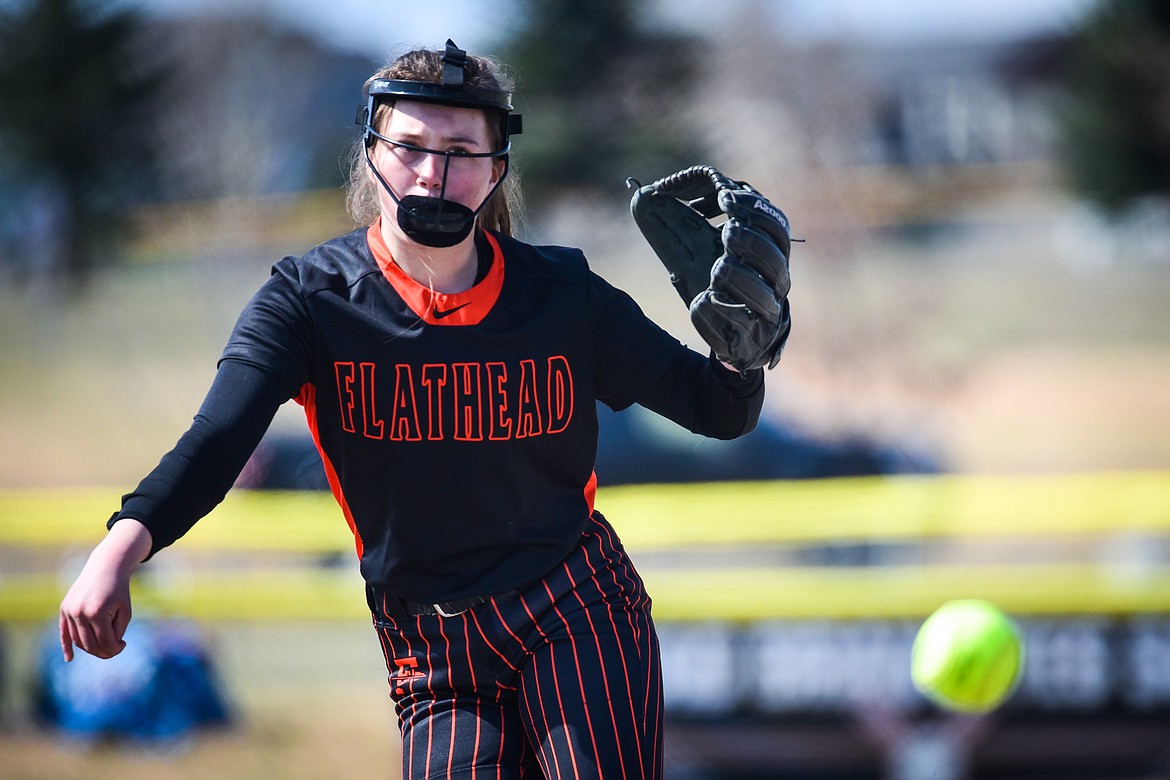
(96, 610)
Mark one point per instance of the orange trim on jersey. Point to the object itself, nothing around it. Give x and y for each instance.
(591, 491)
(463, 308)
(308, 399)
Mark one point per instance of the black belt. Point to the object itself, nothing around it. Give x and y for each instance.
(381, 601)
(445, 609)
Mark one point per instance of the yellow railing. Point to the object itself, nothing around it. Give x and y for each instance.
(704, 529)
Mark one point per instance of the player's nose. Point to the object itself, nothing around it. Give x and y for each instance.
(429, 171)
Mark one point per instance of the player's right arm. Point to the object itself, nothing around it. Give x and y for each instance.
(265, 363)
(192, 478)
(96, 610)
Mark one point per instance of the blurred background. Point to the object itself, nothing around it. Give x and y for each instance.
(982, 191)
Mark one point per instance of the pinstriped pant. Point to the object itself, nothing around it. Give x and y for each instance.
(560, 680)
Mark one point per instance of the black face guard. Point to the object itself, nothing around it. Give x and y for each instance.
(439, 222)
(436, 222)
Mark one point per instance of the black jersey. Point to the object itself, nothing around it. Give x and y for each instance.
(458, 432)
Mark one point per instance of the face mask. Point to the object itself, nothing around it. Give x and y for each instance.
(439, 222)
(435, 222)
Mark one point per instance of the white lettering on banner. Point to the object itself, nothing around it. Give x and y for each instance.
(705, 667)
(1067, 665)
(820, 666)
(826, 666)
(1149, 664)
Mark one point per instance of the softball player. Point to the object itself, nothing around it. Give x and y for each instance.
(448, 373)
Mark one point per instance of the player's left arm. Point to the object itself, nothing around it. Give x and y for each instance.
(639, 362)
(706, 397)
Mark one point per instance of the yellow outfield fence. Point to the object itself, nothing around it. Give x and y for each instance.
(698, 547)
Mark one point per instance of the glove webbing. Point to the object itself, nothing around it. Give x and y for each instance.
(699, 186)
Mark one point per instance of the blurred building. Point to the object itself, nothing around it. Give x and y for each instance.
(980, 104)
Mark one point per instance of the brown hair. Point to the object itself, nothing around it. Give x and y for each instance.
(427, 66)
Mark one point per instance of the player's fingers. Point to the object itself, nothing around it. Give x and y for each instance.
(84, 636)
(66, 637)
(106, 641)
(96, 635)
(120, 623)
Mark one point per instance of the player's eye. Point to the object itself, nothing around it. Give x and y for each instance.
(408, 154)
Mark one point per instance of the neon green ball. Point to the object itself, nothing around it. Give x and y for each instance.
(968, 656)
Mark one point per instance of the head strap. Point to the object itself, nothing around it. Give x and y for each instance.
(454, 62)
(452, 90)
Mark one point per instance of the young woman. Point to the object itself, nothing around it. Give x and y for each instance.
(449, 374)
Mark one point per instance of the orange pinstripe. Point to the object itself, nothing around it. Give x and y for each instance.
(497, 706)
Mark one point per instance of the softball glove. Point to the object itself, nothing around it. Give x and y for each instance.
(734, 278)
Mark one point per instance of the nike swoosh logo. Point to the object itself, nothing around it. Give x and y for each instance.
(440, 313)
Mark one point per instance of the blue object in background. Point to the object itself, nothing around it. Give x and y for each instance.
(159, 688)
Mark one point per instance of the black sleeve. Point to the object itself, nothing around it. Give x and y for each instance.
(275, 330)
(705, 397)
(265, 363)
(639, 362)
(193, 478)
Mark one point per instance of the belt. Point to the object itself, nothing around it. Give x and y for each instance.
(445, 609)
(380, 601)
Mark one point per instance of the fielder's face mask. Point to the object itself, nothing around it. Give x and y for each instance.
(432, 221)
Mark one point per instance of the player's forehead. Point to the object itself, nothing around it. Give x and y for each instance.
(436, 122)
